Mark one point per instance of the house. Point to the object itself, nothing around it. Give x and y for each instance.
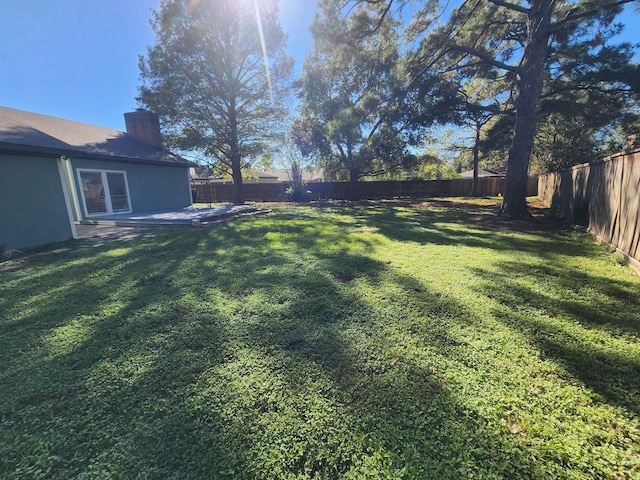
(55, 173)
(309, 174)
(481, 173)
(253, 176)
(272, 175)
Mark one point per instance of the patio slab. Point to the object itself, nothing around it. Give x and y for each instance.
(193, 215)
(99, 234)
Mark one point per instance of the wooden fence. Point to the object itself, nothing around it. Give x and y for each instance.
(605, 195)
(276, 192)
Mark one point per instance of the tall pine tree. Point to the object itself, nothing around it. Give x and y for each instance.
(215, 76)
(525, 42)
(347, 98)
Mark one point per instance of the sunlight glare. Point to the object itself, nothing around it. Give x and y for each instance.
(191, 5)
(264, 48)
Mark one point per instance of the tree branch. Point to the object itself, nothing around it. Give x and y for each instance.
(484, 57)
(381, 17)
(511, 6)
(571, 16)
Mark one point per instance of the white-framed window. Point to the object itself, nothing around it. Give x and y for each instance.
(104, 192)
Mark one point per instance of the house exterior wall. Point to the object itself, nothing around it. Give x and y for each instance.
(32, 205)
(151, 187)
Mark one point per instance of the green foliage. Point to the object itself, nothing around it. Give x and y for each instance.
(351, 115)
(430, 167)
(296, 157)
(587, 89)
(563, 141)
(266, 162)
(208, 79)
(626, 136)
(533, 52)
(298, 189)
(335, 342)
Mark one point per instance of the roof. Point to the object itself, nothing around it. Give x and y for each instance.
(481, 173)
(256, 174)
(31, 133)
(309, 174)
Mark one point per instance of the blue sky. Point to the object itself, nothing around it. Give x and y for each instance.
(78, 59)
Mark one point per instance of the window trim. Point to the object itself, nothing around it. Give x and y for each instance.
(107, 193)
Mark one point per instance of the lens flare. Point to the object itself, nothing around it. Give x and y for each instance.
(190, 6)
(264, 48)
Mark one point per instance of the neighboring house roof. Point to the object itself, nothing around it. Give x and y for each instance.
(309, 174)
(481, 173)
(272, 175)
(256, 174)
(31, 133)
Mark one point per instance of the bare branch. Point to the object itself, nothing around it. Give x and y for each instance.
(511, 6)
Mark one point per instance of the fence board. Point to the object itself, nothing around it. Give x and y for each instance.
(604, 194)
(629, 210)
(276, 192)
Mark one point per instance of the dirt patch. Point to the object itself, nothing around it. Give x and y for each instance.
(536, 224)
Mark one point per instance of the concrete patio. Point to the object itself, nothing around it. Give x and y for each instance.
(193, 215)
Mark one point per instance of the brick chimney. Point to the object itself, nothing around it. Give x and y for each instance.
(144, 126)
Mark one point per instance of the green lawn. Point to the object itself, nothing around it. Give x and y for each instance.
(336, 342)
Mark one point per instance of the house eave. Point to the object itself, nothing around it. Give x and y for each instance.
(48, 152)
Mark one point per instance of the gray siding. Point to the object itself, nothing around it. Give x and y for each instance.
(32, 207)
(151, 187)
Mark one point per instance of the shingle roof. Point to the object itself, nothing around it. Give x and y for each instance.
(26, 132)
(481, 173)
(309, 174)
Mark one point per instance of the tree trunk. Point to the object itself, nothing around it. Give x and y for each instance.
(354, 175)
(474, 189)
(236, 158)
(514, 203)
(236, 174)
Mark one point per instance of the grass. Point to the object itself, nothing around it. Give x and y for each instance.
(337, 342)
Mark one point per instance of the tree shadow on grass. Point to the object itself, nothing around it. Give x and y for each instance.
(375, 406)
(91, 307)
(463, 227)
(264, 349)
(586, 325)
(183, 355)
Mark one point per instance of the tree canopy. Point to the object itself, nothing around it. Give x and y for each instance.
(216, 77)
(539, 79)
(349, 102)
(540, 47)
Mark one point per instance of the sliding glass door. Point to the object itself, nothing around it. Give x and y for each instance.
(118, 192)
(104, 192)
